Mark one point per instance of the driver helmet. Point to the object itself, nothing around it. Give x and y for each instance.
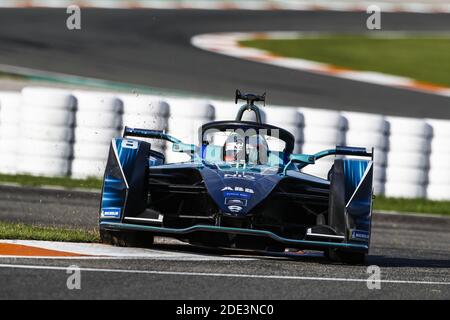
(233, 149)
(257, 150)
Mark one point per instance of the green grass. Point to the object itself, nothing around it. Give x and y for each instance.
(412, 205)
(9, 230)
(424, 58)
(66, 182)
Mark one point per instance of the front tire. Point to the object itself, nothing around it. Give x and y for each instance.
(126, 238)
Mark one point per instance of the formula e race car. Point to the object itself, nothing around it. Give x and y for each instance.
(242, 188)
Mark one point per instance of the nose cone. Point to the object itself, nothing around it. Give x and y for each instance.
(237, 193)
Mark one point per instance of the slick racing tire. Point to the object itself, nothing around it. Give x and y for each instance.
(347, 257)
(126, 238)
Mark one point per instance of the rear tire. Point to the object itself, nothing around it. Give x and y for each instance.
(347, 257)
(276, 249)
(126, 238)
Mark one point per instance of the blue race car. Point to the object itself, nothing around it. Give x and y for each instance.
(243, 188)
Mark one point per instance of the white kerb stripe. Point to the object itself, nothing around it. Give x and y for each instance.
(224, 275)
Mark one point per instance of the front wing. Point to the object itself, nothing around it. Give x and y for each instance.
(292, 243)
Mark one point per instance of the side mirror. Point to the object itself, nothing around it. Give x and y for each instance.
(302, 158)
(183, 147)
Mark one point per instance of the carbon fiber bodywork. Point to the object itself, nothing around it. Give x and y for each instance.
(190, 201)
(241, 205)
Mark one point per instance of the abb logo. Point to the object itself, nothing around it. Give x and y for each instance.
(239, 189)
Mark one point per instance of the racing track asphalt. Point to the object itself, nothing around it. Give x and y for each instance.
(152, 47)
(406, 248)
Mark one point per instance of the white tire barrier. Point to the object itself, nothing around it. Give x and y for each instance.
(409, 127)
(186, 116)
(91, 151)
(440, 128)
(379, 173)
(406, 175)
(43, 166)
(439, 176)
(48, 98)
(147, 112)
(380, 158)
(44, 116)
(364, 122)
(9, 121)
(312, 148)
(369, 139)
(320, 168)
(8, 163)
(287, 118)
(440, 145)
(143, 105)
(438, 192)
(87, 168)
(408, 160)
(101, 136)
(378, 187)
(408, 157)
(185, 130)
(280, 116)
(9, 131)
(321, 135)
(322, 118)
(41, 148)
(190, 109)
(321, 128)
(10, 104)
(404, 190)
(224, 110)
(98, 102)
(97, 119)
(412, 156)
(370, 131)
(45, 132)
(154, 122)
(403, 143)
(440, 161)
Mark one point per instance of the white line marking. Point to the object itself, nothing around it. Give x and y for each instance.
(97, 250)
(224, 275)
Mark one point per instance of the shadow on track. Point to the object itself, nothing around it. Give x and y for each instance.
(307, 256)
(398, 262)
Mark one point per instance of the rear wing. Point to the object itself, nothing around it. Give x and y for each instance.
(150, 134)
(178, 145)
(303, 160)
(345, 151)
